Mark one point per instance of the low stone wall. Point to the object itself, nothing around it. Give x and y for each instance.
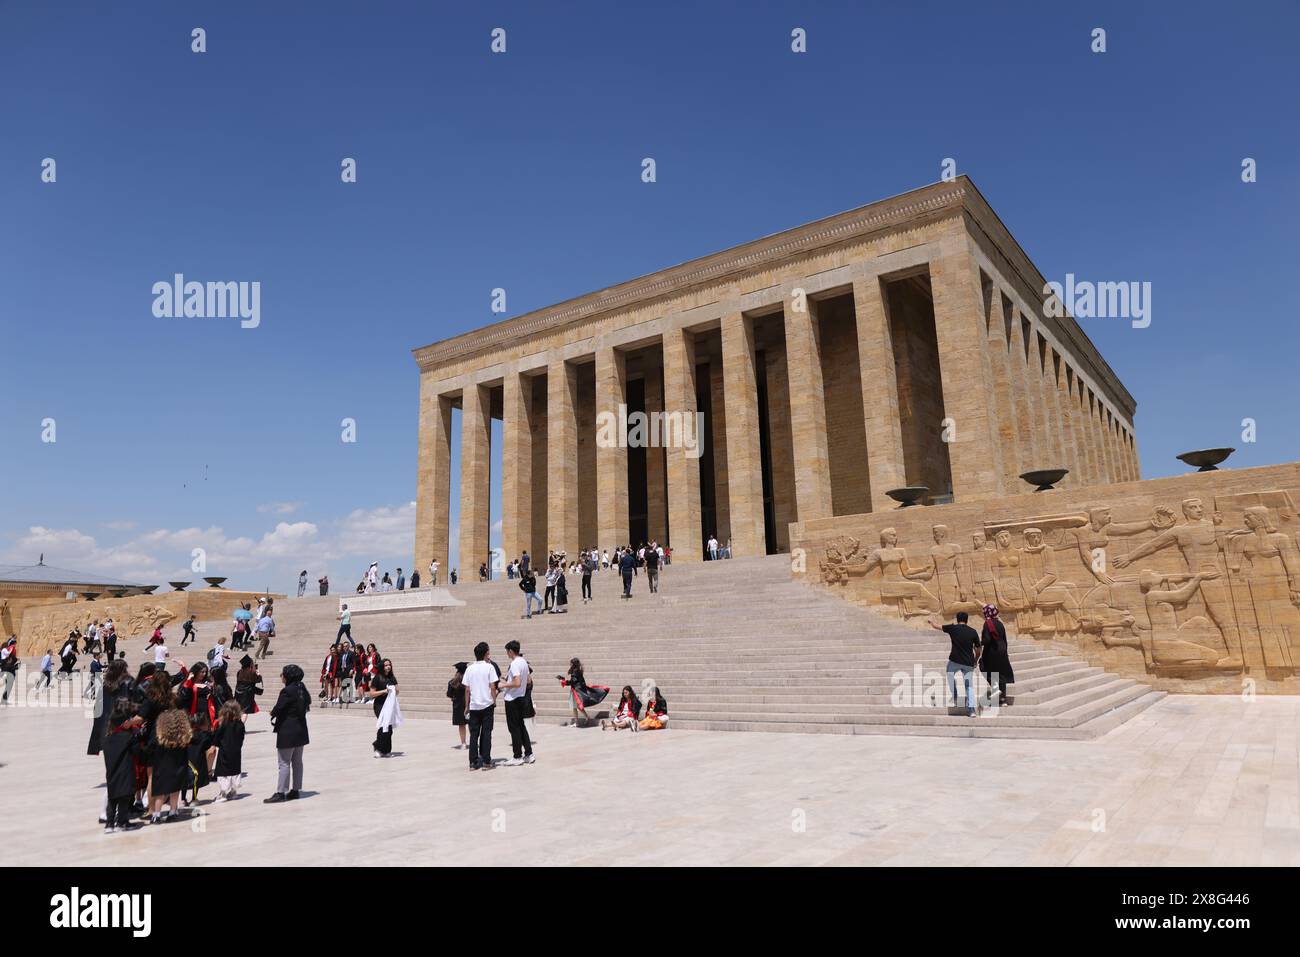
(1191, 583)
(46, 626)
(410, 599)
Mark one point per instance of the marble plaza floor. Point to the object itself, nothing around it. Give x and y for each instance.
(1193, 780)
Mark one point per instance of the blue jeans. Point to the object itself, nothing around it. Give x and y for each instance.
(529, 598)
(968, 675)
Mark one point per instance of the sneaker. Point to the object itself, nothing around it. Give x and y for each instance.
(529, 759)
(129, 827)
(476, 767)
(377, 754)
(514, 762)
(292, 795)
(110, 830)
(103, 820)
(275, 798)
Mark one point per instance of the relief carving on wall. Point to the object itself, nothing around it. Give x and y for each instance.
(1196, 590)
(48, 628)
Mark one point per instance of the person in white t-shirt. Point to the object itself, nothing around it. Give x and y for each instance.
(480, 706)
(514, 687)
(160, 654)
(433, 572)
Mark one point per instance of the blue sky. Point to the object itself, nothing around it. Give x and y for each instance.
(522, 171)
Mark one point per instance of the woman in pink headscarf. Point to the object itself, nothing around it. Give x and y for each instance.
(995, 662)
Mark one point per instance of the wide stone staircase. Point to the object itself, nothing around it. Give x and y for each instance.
(733, 645)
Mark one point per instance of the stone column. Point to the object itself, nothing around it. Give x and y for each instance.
(717, 439)
(1116, 454)
(1082, 430)
(475, 438)
(433, 495)
(781, 444)
(1062, 398)
(1004, 403)
(656, 489)
(1103, 444)
(562, 458)
(683, 466)
(812, 477)
(744, 456)
(516, 465)
(1050, 447)
(1027, 414)
(965, 370)
(611, 450)
(886, 467)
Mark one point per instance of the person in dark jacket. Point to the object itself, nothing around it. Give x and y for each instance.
(121, 746)
(229, 739)
(289, 719)
(627, 567)
(962, 659)
(995, 660)
(248, 685)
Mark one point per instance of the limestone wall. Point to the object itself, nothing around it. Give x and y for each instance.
(1189, 583)
(46, 626)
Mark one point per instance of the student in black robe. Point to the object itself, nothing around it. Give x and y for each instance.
(199, 755)
(229, 740)
(995, 661)
(456, 692)
(169, 760)
(121, 747)
(581, 695)
(248, 685)
(117, 687)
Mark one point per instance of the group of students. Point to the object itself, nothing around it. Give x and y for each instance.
(347, 671)
(628, 714)
(474, 690)
(166, 736)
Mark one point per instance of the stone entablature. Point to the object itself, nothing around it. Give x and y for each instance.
(1190, 583)
(896, 321)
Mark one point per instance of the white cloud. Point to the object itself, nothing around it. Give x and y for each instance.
(342, 546)
(280, 508)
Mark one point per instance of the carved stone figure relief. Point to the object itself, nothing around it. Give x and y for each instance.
(1181, 590)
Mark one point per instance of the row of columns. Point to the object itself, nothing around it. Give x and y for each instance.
(1048, 417)
(1003, 387)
